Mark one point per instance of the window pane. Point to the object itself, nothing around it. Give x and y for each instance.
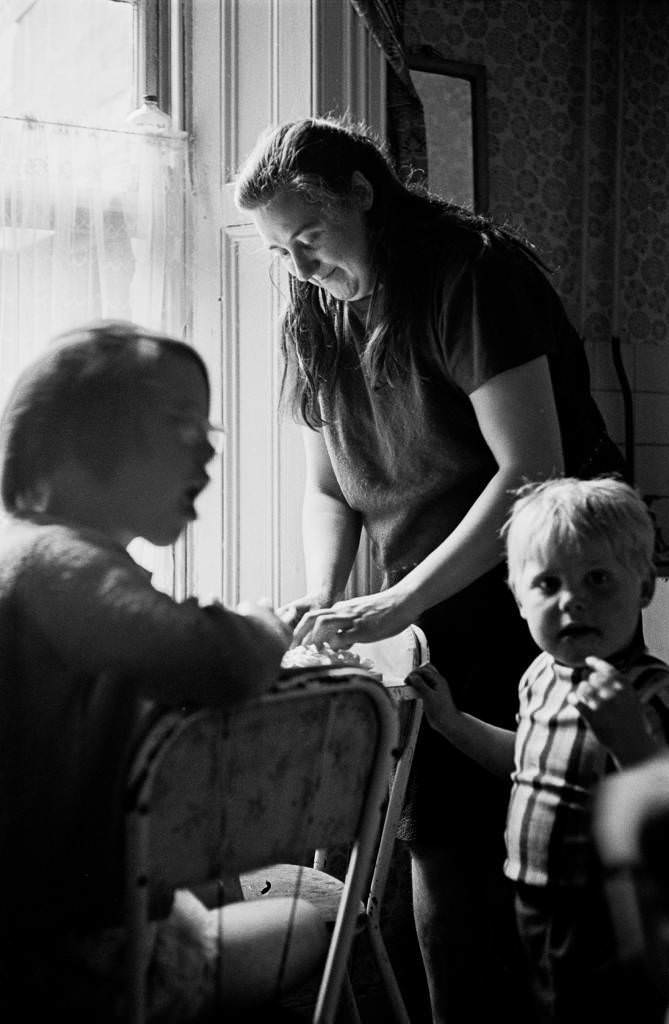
(67, 60)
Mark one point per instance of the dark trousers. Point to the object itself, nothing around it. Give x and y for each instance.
(575, 973)
(455, 815)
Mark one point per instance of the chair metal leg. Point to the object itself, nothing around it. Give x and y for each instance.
(397, 793)
(395, 998)
(382, 867)
(347, 1011)
(320, 860)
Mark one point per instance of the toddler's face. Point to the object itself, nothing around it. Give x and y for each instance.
(580, 603)
(155, 486)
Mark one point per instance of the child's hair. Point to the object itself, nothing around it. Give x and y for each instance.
(83, 399)
(566, 511)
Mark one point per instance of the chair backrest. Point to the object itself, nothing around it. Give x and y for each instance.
(631, 832)
(214, 793)
(396, 656)
(656, 620)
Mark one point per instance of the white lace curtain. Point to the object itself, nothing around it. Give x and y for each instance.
(92, 225)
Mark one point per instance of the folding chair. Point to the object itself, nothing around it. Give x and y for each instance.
(216, 793)
(393, 658)
(631, 832)
(656, 620)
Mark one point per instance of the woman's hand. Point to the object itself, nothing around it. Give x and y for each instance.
(609, 704)
(358, 620)
(291, 612)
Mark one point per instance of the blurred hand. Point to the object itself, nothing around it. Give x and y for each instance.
(263, 612)
(609, 704)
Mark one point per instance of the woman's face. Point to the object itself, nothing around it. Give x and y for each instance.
(327, 246)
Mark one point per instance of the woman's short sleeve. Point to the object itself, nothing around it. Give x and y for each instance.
(497, 312)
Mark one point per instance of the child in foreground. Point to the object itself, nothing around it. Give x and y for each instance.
(106, 438)
(580, 565)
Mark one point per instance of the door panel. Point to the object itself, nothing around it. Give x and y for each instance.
(254, 63)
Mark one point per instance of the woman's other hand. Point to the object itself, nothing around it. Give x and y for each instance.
(291, 612)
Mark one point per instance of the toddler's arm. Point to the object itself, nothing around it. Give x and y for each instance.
(488, 745)
(612, 709)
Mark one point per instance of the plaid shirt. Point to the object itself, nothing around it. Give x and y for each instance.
(558, 762)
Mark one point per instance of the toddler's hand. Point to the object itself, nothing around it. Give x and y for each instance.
(610, 706)
(438, 704)
(602, 684)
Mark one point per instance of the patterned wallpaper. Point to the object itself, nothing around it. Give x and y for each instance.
(578, 103)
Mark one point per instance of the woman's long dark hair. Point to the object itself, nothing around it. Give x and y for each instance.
(410, 234)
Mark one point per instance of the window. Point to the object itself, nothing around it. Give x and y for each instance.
(92, 211)
(68, 60)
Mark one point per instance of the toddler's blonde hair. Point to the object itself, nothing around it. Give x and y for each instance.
(566, 512)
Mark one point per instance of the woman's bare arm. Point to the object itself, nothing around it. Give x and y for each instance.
(517, 416)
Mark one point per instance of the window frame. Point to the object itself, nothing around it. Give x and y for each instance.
(159, 46)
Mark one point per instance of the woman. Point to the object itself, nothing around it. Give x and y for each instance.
(434, 370)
